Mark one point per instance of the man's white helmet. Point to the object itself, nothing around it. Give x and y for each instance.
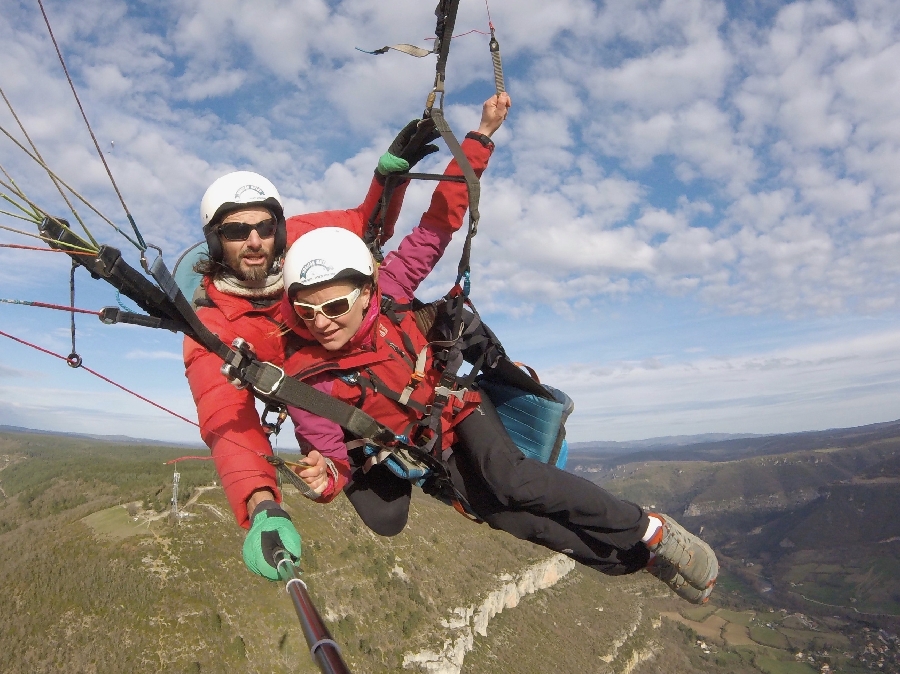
(326, 254)
(234, 190)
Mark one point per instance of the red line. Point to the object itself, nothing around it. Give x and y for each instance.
(490, 21)
(100, 376)
(44, 305)
(137, 395)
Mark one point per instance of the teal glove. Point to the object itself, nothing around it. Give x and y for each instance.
(271, 530)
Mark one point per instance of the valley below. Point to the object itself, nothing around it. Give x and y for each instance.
(99, 577)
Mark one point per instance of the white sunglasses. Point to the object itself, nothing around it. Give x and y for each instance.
(331, 309)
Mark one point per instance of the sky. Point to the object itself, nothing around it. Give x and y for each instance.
(691, 223)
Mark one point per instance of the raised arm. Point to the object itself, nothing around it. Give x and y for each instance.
(410, 146)
(404, 269)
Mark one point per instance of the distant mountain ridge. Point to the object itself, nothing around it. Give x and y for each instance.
(113, 439)
(662, 442)
(734, 447)
(702, 446)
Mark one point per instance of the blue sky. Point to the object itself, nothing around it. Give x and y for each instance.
(691, 223)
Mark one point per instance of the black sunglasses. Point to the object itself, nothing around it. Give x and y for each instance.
(240, 231)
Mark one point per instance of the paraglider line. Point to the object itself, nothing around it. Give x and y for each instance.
(62, 62)
(99, 376)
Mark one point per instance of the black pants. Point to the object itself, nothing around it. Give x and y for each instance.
(524, 497)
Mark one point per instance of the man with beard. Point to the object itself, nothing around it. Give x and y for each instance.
(247, 236)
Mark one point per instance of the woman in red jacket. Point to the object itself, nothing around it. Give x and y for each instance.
(385, 366)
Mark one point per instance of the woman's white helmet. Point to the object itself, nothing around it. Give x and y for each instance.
(234, 191)
(326, 254)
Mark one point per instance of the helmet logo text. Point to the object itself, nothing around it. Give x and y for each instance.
(249, 193)
(315, 270)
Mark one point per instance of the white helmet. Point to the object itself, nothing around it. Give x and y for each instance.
(326, 254)
(232, 192)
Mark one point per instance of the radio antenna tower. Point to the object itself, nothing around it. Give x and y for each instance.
(175, 479)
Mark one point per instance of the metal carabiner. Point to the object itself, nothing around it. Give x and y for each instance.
(146, 265)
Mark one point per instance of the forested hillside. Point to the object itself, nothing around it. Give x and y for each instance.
(97, 577)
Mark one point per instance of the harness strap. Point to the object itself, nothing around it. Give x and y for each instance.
(417, 376)
(473, 185)
(380, 387)
(393, 310)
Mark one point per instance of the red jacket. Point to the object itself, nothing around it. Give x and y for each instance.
(378, 351)
(384, 361)
(229, 422)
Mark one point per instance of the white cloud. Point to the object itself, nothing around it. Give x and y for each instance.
(821, 385)
(11, 372)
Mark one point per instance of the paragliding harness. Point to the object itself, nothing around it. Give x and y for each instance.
(534, 415)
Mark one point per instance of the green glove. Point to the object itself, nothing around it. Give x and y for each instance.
(390, 163)
(271, 530)
(410, 146)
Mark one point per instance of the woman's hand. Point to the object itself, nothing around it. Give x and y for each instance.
(316, 475)
(494, 111)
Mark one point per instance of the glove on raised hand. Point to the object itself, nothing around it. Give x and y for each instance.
(271, 529)
(410, 146)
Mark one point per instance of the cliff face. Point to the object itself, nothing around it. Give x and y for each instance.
(472, 620)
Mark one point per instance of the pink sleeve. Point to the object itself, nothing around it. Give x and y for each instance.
(323, 435)
(405, 268)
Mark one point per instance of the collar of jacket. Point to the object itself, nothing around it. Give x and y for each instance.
(234, 307)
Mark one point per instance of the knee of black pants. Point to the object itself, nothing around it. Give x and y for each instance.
(389, 520)
(380, 499)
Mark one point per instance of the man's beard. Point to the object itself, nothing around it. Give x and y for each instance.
(254, 273)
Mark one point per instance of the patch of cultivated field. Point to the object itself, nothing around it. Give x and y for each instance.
(698, 613)
(769, 637)
(739, 617)
(737, 635)
(710, 629)
(116, 523)
(773, 666)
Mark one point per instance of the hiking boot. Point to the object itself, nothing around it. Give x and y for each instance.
(691, 558)
(670, 576)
